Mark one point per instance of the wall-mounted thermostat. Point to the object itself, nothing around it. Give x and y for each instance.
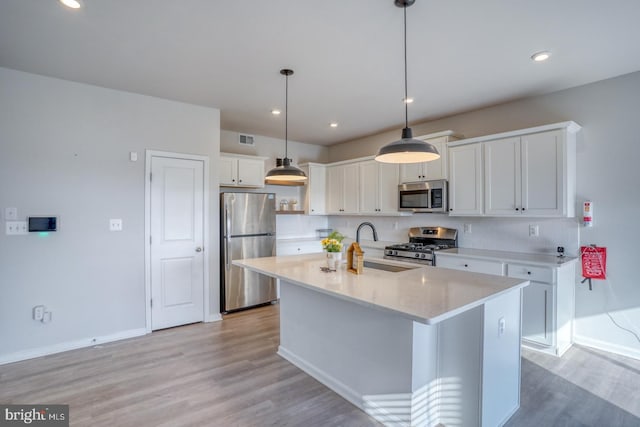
(43, 223)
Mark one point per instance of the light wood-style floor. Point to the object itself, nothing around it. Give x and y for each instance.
(228, 374)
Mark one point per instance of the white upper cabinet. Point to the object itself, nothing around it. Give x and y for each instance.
(342, 189)
(436, 169)
(465, 180)
(530, 172)
(527, 176)
(502, 174)
(316, 192)
(241, 171)
(378, 187)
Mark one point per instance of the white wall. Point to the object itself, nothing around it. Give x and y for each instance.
(65, 151)
(273, 148)
(608, 152)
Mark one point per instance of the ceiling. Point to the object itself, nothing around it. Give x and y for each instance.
(347, 55)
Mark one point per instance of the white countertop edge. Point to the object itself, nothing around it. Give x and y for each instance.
(508, 257)
(424, 320)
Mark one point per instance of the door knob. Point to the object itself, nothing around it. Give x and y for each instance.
(198, 249)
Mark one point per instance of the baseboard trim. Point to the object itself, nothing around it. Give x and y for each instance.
(213, 318)
(335, 385)
(371, 408)
(69, 345)
(607, 346)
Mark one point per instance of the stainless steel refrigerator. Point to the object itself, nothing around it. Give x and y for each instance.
(248, 230)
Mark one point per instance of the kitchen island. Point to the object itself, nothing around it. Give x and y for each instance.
(415, 347)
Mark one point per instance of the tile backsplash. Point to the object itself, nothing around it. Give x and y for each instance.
(507, 234)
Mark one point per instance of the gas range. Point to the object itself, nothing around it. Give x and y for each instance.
(423, 242)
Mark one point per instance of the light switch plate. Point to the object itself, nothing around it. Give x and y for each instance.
(13, 228)
(467, 228)
(115, 225)
(534, 230)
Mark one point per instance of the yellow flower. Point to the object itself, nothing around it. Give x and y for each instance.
(331, 245)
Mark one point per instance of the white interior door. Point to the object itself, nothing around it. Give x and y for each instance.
(177, 241)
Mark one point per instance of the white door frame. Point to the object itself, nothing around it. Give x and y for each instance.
(147, 229)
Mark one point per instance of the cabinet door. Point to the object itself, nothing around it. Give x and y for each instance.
(537, 306)
(351, 187)
(388, 180)
(437, 169)
(543, 174)
(502, 182)
(410, 172)
(250, 173)
(369, 187)
(335, 179)
(228, 170)
(465, 180)
(316, 190)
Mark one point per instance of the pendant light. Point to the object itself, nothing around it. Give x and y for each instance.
(284, 172)
(407, 149)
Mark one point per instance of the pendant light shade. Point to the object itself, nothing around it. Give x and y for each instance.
(284, 172)
(407, 149)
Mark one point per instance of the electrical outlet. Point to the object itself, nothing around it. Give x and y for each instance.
(46, 317)
(467, 228)
(534, 231)
(115, 225)
(502, 326)
(38, 312)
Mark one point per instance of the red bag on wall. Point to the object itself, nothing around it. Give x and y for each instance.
(594, 262)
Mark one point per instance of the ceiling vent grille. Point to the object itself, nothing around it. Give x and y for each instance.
(246, 139)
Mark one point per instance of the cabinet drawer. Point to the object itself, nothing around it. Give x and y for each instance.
(296, 248)
(529, 272)
(474, 265)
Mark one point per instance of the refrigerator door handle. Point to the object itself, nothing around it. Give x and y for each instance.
(227, 236)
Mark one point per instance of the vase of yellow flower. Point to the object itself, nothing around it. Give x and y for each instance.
(332, 244)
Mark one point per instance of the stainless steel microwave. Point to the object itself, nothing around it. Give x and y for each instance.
(424, 196)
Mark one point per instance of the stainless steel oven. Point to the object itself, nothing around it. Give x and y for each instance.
(424, 196)
(423, 243)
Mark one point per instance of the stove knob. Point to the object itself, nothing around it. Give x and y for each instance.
(417, 255)
(395, 253)
(423, 256)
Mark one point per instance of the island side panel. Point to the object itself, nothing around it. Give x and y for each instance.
(460, 368)
(362, 353)
(501, 358)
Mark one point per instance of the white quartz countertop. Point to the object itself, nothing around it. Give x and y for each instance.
(425, 294)
(536, 259)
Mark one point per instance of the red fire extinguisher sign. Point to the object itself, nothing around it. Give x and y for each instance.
(594, 262)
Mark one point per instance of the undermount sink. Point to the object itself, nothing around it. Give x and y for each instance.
(387, 267)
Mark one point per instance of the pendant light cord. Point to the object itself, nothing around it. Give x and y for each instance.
(286, 115)
(406, 104)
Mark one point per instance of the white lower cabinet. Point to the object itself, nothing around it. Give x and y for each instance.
(297, 247)
(547, 303)
(537, 301)
(473, 265)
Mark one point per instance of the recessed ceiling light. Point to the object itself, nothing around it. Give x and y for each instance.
(541, 56)
(408, 100)
(275, 112)
(333, 124)
(73, 4)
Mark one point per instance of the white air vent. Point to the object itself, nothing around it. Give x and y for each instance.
(246, 139)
